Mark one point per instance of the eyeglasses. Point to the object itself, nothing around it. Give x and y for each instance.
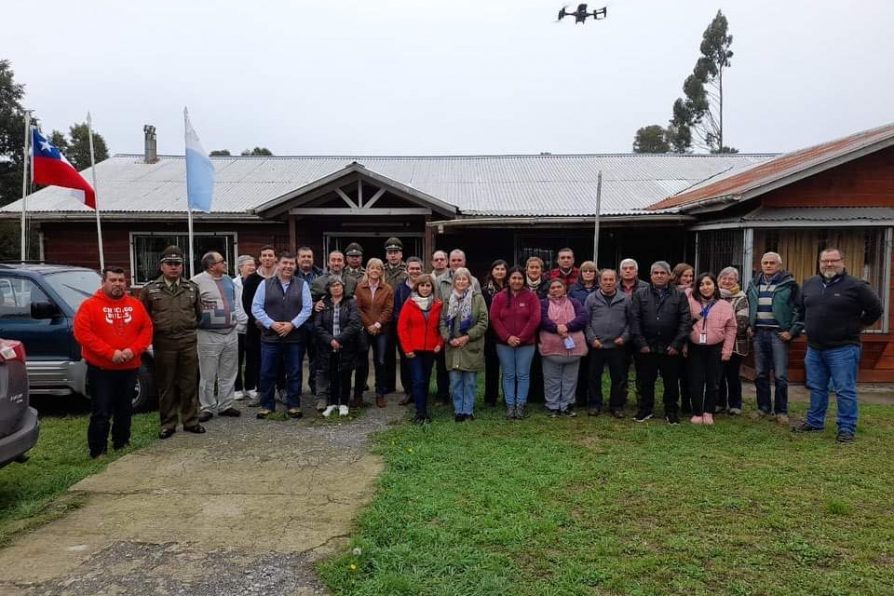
(830, 261)
(219, 262)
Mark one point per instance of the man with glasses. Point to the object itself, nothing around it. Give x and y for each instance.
(217, 340)
(836, 307)
(175, 306)
(438, 264)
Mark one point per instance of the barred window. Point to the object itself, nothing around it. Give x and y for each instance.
(146, 250)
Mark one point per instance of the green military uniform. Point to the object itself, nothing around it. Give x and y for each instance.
(175, 309)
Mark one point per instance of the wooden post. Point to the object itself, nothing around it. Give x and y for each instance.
(293, 235)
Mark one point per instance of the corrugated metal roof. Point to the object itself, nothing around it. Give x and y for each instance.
(837, 215)
(735, 184)
(520, 185)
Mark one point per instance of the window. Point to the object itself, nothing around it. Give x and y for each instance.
(718, 249)
(147, 248)
(74, 286)
(864, 254)
(16, 296)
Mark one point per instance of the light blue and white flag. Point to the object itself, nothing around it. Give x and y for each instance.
(199, 171)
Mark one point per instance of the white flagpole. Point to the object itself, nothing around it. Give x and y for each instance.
(27, 155)
(191, 257)
(102, 259)
(596, 220)
(188, 208)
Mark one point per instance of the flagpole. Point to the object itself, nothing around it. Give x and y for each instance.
(191, 257)
(596, 220)
(26, 154)
(102, 259)
(188, 206)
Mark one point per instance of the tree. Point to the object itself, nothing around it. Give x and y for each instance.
(701, 111)
(219, 152)
(12, 134)
(79, 147)
(57, 138)
(651, 139)
(258, 151)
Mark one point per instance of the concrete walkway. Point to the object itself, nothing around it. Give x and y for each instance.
(246, 508)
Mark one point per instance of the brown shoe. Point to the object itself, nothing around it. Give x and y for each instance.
(380, 401)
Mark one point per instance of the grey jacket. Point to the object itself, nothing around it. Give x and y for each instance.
(607, 321)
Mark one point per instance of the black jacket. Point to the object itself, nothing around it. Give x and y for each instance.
(348, 322)
(659, 324)
(835, 312)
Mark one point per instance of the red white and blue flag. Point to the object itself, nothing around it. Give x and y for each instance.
(51, 168)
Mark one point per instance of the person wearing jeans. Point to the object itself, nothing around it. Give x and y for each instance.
(608, 333)
(418, 330)
(282, 304)
(463, 325)
(515, 318)
(375, 300)
(774, 318)
(836, 308)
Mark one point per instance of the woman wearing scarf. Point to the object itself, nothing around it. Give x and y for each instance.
(710, 343)
(418, 329)
(562, 344)
(493, 283)
(375, 299)
(515, 319)
(587, 283)
(729, 394)
(535, 282)
(463, 325)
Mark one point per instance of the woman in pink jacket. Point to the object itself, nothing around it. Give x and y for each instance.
(711, 342)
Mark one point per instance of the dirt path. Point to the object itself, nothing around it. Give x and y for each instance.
(246, 508)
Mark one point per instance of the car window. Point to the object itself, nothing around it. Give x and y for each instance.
(16, 296)
(74, 286)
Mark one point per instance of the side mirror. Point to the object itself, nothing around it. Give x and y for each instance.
(44, 310)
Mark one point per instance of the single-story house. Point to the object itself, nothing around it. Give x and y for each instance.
(711, 210)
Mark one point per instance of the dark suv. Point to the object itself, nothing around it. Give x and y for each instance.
(37, 307)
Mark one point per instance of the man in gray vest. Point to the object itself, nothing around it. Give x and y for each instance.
(282, 304)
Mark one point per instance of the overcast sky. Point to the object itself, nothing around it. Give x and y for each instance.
(408, 77)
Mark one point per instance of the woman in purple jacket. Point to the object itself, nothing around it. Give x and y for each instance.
(562, 344)
(515, 318)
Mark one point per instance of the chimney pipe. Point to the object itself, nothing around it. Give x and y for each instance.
(150, 154)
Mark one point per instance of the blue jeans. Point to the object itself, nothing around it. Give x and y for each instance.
(290, 355)
(516, 365)
(840, 365)
(420, 374)
(771, 353)
(462, 388)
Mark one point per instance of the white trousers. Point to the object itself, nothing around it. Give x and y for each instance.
(218, 361)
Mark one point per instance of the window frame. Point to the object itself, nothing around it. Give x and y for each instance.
(232, 249)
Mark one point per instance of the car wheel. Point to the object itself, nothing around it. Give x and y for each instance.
(145, 398)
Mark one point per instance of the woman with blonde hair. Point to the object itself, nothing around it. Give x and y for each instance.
(375, 300)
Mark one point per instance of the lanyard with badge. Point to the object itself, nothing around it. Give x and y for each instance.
(703, 336)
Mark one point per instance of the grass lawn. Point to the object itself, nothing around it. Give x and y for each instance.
(602, 506)
(29, 491)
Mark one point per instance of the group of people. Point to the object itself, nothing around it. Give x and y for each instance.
(540, 335)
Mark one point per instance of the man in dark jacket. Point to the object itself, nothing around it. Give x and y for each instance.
(629, 284)
(659, 326)
(836, 307)
(773, 315)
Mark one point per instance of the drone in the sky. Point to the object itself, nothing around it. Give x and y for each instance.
(580, 15)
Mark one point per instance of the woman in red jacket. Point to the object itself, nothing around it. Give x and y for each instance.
(420, 339)
(515, 318)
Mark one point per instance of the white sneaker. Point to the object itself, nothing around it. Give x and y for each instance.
(328, 411)
(342, 410)
(252, 393)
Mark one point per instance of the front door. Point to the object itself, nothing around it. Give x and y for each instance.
(374, 244)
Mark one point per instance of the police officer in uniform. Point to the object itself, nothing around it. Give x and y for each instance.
(395, 275)
(174, 304)
(354, 257)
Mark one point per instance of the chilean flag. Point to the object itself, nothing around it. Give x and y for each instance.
(51, 168)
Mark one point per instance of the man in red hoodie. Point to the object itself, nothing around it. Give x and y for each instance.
(114, 330)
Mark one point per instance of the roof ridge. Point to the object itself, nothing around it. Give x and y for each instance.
(470, 156)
